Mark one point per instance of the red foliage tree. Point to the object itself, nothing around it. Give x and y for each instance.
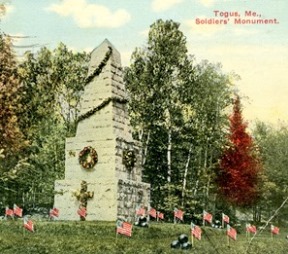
(239, 165)
(11, 137)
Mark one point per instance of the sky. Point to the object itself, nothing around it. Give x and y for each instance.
(220, 31)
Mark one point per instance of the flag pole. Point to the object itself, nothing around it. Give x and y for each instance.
(192, 239)
(116, 233)
(222, 221)
(23, 228)
(247, 234)
(228, 240)
(116, 236)
(203, 219)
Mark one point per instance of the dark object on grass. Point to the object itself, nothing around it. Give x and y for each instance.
(186, 246)
(175, 244)
(142, 222)
(183, 238)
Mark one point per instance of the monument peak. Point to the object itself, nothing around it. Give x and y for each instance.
(102, 157)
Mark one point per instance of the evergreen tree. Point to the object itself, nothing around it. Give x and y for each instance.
(239, 165)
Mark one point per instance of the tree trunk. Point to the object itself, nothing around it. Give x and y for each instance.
(145, 150)
(185, 174)
(169, 149)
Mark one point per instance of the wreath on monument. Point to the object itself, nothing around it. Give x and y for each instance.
(88, 157)
(129, 158)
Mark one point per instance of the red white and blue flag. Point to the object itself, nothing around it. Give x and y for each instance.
(160, 215)
(231, 232)
(54, 212)
(207, 216)
(124, 228)
(28, 224)
(275, 230)
(140, 211)
(9, 212)
(251, 228)
(178, 214)
(196, 231)
(82, 212)
(17, 210)
(225, 218)
(153, 213)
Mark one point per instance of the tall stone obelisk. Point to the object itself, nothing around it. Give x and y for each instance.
(104, 127)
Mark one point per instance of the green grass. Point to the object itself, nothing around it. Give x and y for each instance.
(99, 237)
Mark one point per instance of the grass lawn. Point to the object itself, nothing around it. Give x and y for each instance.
(99, 237)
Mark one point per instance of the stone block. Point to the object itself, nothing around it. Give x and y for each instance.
(105, 127)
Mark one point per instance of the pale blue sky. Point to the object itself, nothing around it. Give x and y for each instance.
(258, 53)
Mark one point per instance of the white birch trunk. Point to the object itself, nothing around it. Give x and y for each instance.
(186, 173)
(169, 149)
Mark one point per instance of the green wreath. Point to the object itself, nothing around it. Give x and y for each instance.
(88, 157)
(129, 159)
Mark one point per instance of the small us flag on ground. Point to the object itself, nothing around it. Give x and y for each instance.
(196, 231)
(178, 214)
(17, 210)
(124, 228)
(54, 212)
(28, 224)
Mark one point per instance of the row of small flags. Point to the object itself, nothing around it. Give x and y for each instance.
(125, 228)
(16, 211)
(152, 213)
(231, 232)
(27, 223)
(178, 214)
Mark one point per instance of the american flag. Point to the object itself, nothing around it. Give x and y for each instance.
(251, 228)
(9, 212)
(54, 212)
(207, 216)
(140, 211)
(225, 218)
(178, 214)
(28, 224)
(17, 210)
(160, 215)
(153, 213)
(274, 230)
(231, 232)
(196, 231)
(124, 228)
(82, 212)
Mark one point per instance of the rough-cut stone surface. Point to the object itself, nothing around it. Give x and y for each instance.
(103, 206)
(117, 190)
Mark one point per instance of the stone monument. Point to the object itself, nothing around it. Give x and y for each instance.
(102, 162)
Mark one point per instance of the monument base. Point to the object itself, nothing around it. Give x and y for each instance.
(132, 195)
(103, 205)
(112, 199)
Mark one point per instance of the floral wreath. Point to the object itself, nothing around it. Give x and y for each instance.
(129, 158)
(88, 157)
